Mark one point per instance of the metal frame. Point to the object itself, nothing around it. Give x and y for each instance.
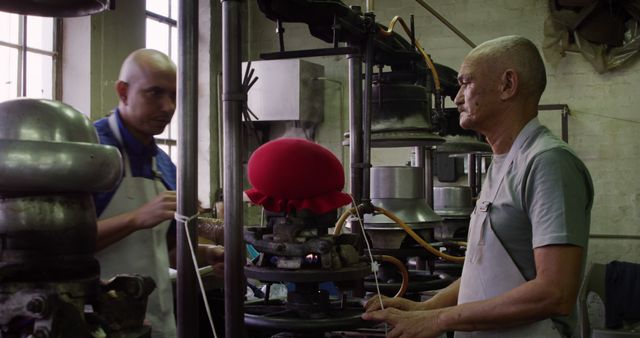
(565, 112)
(232, 99)
(187, 178)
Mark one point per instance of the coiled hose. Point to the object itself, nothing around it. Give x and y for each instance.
(403, 271)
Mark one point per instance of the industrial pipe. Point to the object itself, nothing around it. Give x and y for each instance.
(232, 99)
(367, 110)
(355, 129)
(446, 23)
(187, 175)
(355, 125)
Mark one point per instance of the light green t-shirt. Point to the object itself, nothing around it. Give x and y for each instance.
(545, 199)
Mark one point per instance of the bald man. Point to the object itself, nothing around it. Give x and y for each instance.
(529, 230)
(134, 219)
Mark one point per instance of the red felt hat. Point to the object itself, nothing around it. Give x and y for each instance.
(292, 174)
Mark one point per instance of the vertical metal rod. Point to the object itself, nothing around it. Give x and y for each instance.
(355, 125)
(280, 31)
(336, 31)
(419, 161)
(428, 174)
(471, 171)
(22, 60)
(380, 87)
(565, 124)
(187, 287)
(232, 183)
(367, 108)
(369, 6)
(355, 138)
(478, 173)
(413, 32)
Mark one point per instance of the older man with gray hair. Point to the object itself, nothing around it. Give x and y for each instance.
(528, 233)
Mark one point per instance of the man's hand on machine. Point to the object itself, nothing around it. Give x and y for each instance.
(373, 304)
(212, 255)
(156, 211)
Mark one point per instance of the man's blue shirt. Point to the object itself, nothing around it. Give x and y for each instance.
(140, 159)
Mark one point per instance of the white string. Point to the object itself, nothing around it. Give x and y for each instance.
(185, 221)
(374, 265)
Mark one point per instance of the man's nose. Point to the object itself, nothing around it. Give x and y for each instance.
(459, 99)
(168, 103)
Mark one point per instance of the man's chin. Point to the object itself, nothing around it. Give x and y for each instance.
(157, 130)
(465, 124)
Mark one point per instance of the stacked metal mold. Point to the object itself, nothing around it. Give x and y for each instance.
(402, 115)
(50, 163)
(401, 190)
(298, 250)
(457, 181)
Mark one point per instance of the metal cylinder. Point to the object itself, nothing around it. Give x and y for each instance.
(401, 191)
(453, 201)
(397, 182)
(232, 183)
(187, 180)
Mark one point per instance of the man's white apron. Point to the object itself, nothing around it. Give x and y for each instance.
(144, 251)
(488, 270)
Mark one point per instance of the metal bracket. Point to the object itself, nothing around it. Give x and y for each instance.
(296, 54)
(565, 112)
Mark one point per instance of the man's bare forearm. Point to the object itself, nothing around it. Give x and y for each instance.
(552, 293)
(445, 298)
(113, 229)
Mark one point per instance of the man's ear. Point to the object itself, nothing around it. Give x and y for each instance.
(509, 84)
(122, 89)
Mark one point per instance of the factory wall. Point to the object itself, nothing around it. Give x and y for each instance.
(93, 50)
(604, 120)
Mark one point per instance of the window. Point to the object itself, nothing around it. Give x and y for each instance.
(28, 55)
(162, 34)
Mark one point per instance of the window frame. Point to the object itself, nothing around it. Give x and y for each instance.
(170, 141)
(23, 50)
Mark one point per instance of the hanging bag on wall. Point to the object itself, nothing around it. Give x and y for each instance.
(605, 32)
